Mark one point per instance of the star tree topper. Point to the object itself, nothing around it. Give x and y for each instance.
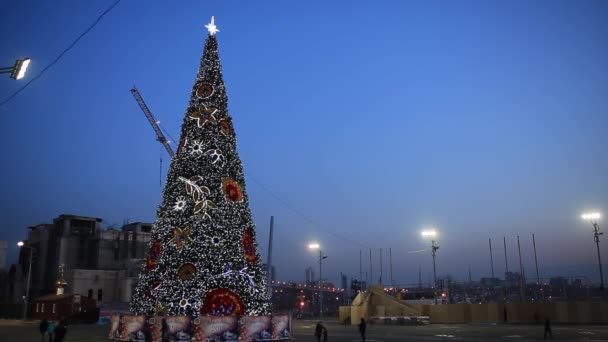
(211, 27)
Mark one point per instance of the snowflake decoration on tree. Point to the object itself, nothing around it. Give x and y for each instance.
(197, 147)
(216, 156)
(180, 204)
(185, 303)
(215, 240)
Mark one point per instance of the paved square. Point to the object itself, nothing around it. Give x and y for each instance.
(13, 330)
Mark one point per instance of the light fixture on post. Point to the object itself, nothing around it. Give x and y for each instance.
(29, 276)
(321, 257)
(432, 234)
(18, 70)
(593, 218)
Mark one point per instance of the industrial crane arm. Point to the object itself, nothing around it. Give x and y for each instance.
(159, 134)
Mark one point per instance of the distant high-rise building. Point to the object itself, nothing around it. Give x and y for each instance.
(3, 251)
(558, 283)
(310, 275)
(343, 281)
(363, 285)
(577, 283)
(512, 279)
(490, 282)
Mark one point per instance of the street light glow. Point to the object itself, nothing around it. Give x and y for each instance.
(591, 216)
(314, 245)
(429, 233)
(20, 243)
(22, 68)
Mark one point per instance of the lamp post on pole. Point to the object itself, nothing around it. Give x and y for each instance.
(432, 234)
(29, 276)
(18, 70)
(593, 218)
(321, 257)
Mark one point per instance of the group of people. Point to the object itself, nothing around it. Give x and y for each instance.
(321, 331)
(53, 331)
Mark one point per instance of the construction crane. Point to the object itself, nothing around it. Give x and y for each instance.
(155, 123)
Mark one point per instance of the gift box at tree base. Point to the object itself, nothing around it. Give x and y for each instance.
(203, 272)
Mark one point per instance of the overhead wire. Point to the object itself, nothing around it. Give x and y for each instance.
(304, 217)
(171, 140)
(61, 54)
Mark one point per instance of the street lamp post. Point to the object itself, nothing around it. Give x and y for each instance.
(593, 218)
(434, 248)
(18, 70)
(29, 276)
(321, 257)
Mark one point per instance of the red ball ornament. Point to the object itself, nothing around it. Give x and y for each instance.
(204, 90)
(226, 126)
(232, 190)
(222, 302)
(187, 271)
(154, 254)
(249, 246)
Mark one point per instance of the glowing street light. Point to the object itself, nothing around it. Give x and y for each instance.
(593, 217)
(29, 276)
(429, 233)
(315, 245)
(432, 233)
(18, 70)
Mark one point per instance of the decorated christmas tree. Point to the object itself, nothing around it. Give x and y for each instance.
(203, 257)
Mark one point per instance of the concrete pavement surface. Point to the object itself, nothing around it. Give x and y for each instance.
(25, 331)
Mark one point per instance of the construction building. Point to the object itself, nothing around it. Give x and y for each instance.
(102, 264)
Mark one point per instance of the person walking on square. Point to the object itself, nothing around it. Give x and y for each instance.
(44, 325)
(165, 331)
(325, 335)
(548, 328)
(51, 331)
(319, 330)
(60, 331)
(362, 327)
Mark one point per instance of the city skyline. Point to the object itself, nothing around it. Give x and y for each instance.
(358, 126)
(587, 273)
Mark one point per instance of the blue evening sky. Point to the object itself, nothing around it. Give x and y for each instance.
(373, 119)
